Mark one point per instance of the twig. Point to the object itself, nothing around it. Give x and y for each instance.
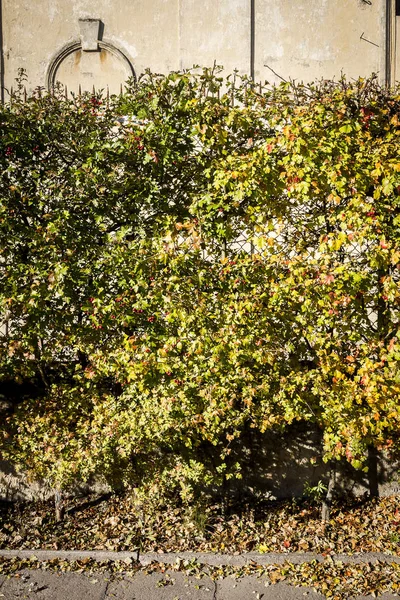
(275, 73)
(369, 41)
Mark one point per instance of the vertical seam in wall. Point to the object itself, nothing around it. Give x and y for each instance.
(1, 54)
(179, 36)
(388, 65)
(252, 37)
(390, 42)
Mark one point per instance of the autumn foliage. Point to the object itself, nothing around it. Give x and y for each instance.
(223, 259)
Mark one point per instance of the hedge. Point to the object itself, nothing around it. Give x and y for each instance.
(191, 261)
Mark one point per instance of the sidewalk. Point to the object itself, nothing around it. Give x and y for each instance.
(170, 585)
(40, 585)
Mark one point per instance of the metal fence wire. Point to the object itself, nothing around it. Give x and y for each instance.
(299, 233)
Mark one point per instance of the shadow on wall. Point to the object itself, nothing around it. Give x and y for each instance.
(284, 465)
(274, 465)
(15, 486)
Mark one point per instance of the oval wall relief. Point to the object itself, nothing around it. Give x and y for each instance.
(89, 62)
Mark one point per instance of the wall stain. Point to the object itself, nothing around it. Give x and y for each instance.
(78, 57)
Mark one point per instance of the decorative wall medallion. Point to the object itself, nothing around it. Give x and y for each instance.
(90, 61)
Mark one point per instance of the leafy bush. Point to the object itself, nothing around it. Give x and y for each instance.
(226, 259)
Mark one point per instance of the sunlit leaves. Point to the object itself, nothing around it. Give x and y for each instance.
(222, 261)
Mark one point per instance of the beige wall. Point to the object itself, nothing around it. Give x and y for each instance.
(33, 31)
(320, 38)
(215, 30)
(304, 39)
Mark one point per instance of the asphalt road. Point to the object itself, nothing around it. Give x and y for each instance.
(43, 585)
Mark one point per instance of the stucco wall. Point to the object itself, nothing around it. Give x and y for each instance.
(273, 465)
(302, 40)
(320, 38)
(33, 32)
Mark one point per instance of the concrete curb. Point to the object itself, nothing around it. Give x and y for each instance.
(207, 559)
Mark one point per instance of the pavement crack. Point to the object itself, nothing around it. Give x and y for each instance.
(215, 590)
(207, 571)
(104, 594)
